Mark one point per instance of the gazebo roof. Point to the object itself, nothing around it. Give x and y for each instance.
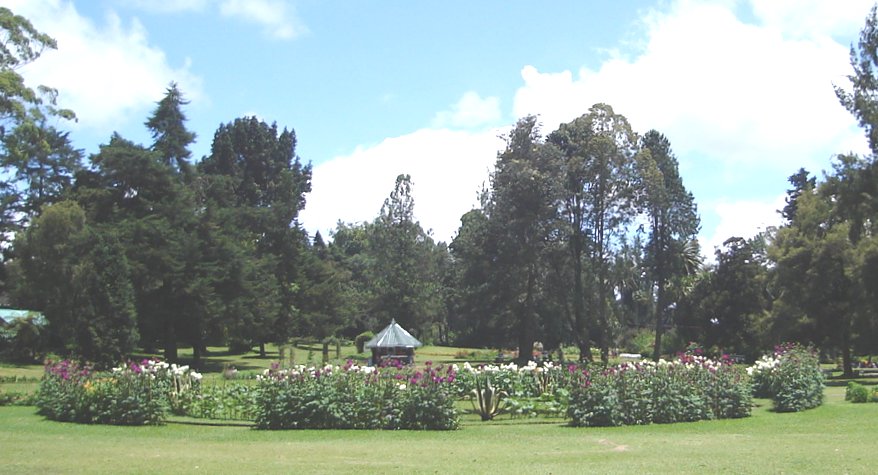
(393, 336)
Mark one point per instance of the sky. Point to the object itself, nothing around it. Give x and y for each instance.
(743, 89)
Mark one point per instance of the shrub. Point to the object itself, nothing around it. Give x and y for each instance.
(362, 339)
(691, 388)
(791, 377)
(858, 393)
(132, 394)
(762, 375)
(354, 397)
(799, 382)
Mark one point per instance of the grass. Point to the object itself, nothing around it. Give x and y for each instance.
(838, 437)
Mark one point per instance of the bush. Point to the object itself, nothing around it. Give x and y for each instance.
(762, 375)
(858, 393)
(132, 394)
(362, 339)
(792, 378)
(353, 397)
(689, 389)
(798, 384)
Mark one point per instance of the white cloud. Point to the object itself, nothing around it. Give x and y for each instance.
(742, 218)
(716, 86)
(471, 111)
(277, 17)
(447, 167)
(106, 73)
(802, 18)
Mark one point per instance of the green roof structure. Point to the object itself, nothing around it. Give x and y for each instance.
(393, 336)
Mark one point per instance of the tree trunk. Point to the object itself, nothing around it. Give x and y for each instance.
(526, 322)
(262, 349)
(846, 358)
(170, 344)
(660, 305)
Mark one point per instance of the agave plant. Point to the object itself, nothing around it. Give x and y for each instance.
(490, 399)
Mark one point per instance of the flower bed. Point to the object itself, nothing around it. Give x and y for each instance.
(688, 389)
(132, 394)
(355, 397)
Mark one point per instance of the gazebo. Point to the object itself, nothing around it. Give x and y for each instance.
(393, 343)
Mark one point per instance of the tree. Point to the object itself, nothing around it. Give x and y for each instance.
(21, 44)
(862, 99)
(801, 183)
(255, 182)
(42, 163)
(473, 315)
(132, 191)
(673, 222)
(79, 278)
(521, 223)
(598, 168)
(22, 107)
(727, 308)
(407, 280)
(169, 133)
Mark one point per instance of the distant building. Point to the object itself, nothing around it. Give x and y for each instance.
(393, 343)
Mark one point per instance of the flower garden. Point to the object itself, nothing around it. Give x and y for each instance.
(432, 397)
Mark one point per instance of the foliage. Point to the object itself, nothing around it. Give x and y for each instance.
(858, 393)
(132, 394)
(489, 399)
(362, 339)
(797, 381)
(727, 305)
(763, 375)
(688, 389)
(230, 401)
(14, 398)
(354, 397)
(36, 159)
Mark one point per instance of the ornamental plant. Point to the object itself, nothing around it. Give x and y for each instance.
(798, 381)
(688, 389)
(791, 377)
(356, 397)
(135, 393)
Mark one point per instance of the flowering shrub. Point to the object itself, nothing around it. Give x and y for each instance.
(688, 389)
(355, 397)
(131, 394)
(762, 375)
(791, 377)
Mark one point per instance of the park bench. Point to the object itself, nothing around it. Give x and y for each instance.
(860, 372)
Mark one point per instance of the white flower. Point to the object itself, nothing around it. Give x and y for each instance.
(195, 375)
(402, 386)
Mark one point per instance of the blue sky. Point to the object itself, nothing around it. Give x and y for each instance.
(742, 88)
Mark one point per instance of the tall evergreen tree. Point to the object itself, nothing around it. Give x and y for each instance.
(673, 221)
(256, 184)
(167, 124)
(522, 218)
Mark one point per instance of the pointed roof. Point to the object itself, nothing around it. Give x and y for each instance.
(393, 336)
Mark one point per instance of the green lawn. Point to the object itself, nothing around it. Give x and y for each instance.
(838, 437)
